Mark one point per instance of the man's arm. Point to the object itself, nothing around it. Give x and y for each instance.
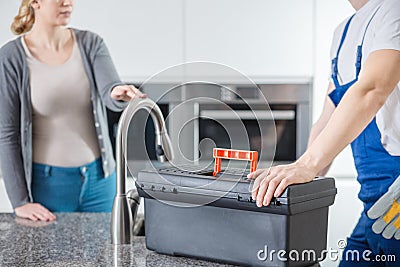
(378, 78)
(322, 121)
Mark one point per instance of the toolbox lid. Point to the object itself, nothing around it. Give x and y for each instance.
(231, 189)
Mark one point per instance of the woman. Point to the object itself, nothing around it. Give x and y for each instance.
(365, 83)
(55, 152)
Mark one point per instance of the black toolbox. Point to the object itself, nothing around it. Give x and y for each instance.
(191, 213)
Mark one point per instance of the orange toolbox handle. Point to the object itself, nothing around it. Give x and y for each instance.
(221, 153)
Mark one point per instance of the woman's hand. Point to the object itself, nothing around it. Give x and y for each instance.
(35, 212)
(272, 182)
(126, 93)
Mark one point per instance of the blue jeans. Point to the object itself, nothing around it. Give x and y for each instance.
(73, 189)
(378, 251)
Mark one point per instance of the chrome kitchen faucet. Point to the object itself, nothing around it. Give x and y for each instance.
(122, 220)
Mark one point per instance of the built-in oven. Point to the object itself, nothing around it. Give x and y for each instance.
(271, 132)
(271, 118)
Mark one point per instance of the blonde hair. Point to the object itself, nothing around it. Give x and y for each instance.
(23, 22)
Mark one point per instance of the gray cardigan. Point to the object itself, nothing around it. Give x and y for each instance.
(16, 110)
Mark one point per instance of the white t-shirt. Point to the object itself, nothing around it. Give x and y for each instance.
(383, 33)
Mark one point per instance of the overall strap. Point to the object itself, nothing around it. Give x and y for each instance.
(335, 60)
(359, 48)
(346, 28)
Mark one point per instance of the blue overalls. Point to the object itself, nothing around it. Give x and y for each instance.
(376, 169)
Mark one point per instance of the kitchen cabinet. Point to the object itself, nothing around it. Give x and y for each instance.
(143, 37)
(259, 38)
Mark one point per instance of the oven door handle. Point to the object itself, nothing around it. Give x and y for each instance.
(248, 114)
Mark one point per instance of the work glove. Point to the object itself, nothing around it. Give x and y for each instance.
(387, 212)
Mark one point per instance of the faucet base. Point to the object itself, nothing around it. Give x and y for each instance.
(121, 221)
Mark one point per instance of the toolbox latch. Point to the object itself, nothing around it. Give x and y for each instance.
(245, 198)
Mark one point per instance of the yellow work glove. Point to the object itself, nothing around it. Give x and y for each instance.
(387, 212)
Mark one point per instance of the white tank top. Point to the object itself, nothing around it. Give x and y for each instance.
(63, 131)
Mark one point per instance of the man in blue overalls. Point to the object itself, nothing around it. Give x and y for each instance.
(362, 107)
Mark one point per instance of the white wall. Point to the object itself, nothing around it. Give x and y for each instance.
(329, 13)
(8, 9)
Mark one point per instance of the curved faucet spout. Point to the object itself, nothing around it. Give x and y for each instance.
(163, 144)
(121, 221)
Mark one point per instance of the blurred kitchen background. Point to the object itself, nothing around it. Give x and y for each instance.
(283, 46)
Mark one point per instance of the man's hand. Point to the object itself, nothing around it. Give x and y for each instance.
(126, 93)
(35, 212)
(272, 182)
